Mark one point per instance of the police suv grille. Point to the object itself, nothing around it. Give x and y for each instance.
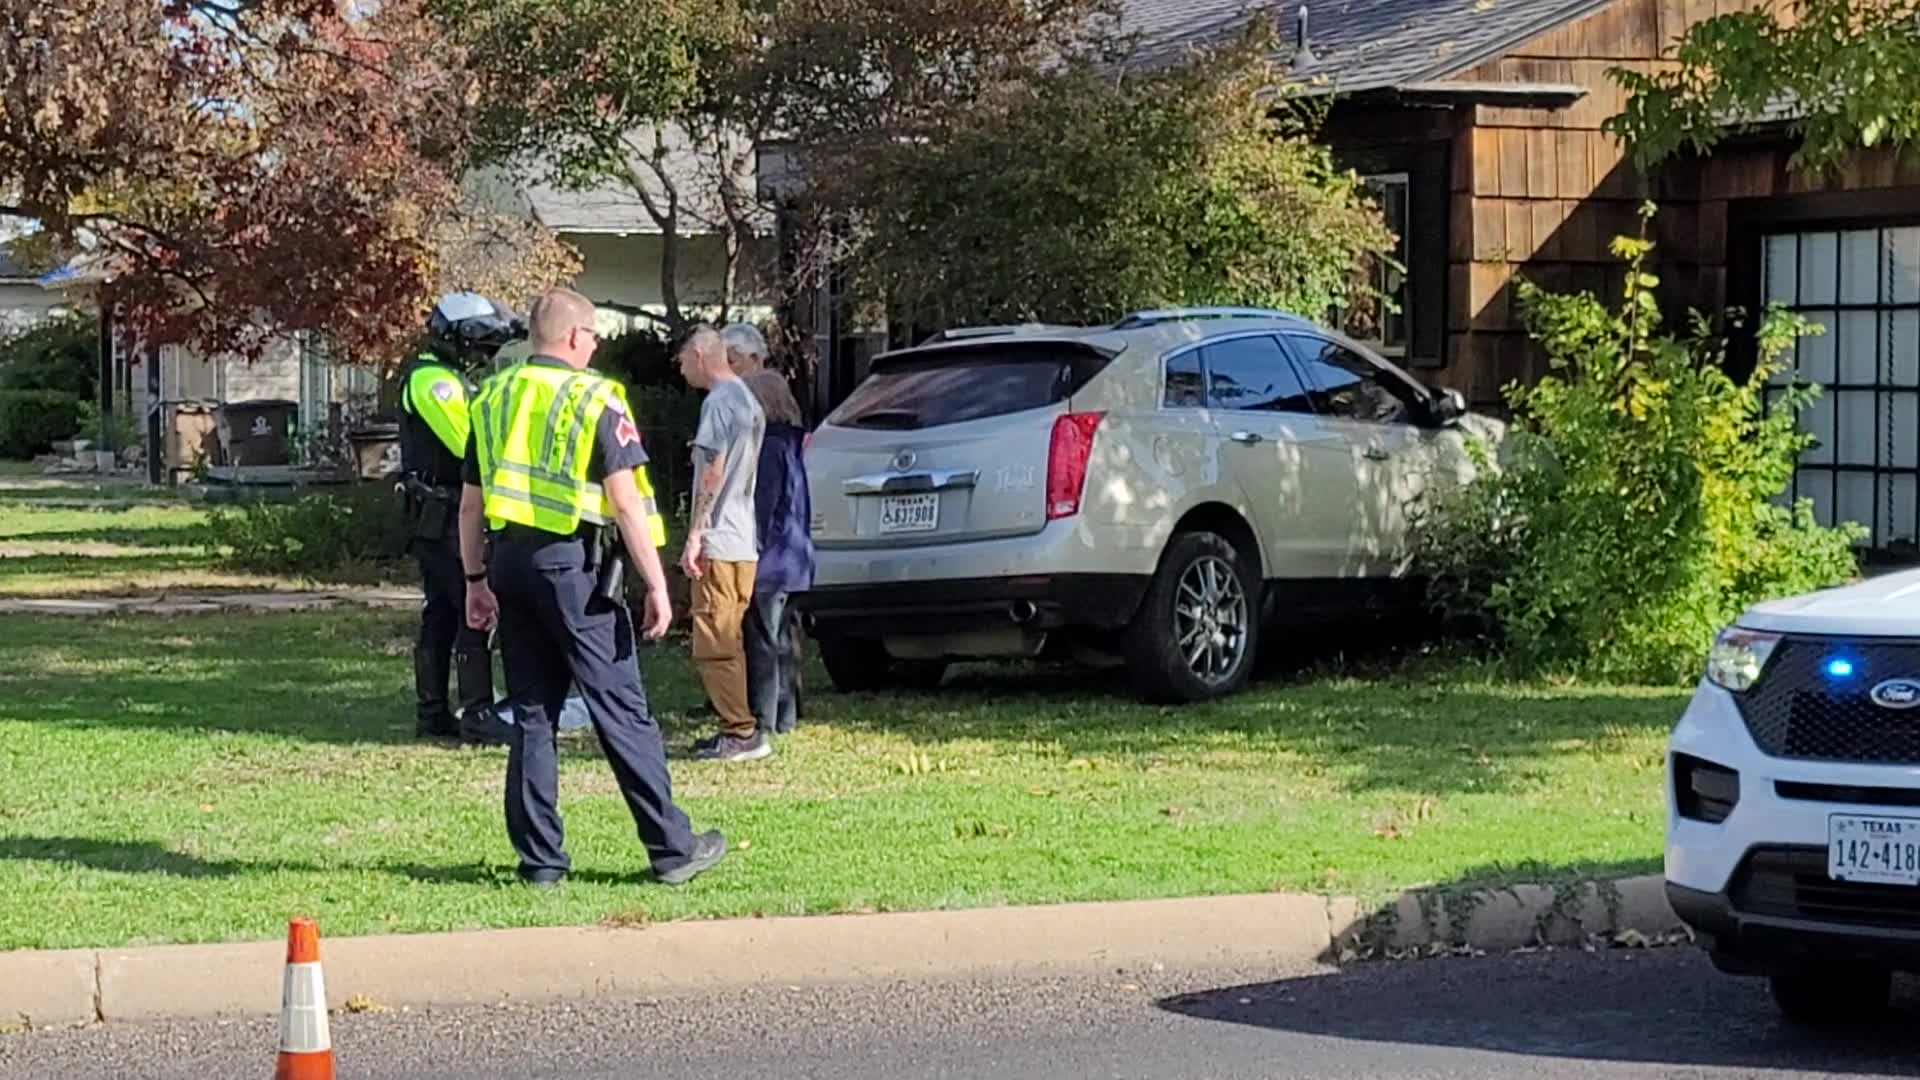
(1792, 883)
(1797, 710)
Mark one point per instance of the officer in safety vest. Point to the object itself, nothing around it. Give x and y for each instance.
(463, 332)
(554, 460)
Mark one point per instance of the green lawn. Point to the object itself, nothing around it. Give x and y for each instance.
(206, 777)
(81, 536)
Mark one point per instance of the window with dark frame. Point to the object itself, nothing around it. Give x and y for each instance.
(1861, 286)
(1384, 326)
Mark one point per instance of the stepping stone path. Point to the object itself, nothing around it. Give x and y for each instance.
(202, 605)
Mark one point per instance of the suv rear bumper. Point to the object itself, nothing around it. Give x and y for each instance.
(1749, 943)
(959, 605)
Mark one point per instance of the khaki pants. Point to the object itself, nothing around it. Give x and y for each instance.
(720, 597)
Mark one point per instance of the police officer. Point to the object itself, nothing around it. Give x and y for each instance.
(554, 459)
(463, 330)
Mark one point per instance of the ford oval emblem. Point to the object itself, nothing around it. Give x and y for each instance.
(904, 460)
(1897, 694)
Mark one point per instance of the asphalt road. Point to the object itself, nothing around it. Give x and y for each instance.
(1661, 1013)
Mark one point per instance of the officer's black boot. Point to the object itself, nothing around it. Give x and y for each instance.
(474, 671)
(432, 717)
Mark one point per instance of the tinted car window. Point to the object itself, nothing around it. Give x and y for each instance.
(952, 386)
(1254, 373)
(1184, 390)
(1348, 386)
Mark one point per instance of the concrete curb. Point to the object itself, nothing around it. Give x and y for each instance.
(80, 986)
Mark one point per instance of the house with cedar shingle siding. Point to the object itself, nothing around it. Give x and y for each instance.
(1479, 122)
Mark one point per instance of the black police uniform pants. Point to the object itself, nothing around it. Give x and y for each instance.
(445, 643)
(555, 630)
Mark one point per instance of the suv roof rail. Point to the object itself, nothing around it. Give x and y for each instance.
(1159, 315)
(962, 333)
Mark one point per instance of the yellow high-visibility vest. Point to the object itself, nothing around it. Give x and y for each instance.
(534, 430)
(438, 395)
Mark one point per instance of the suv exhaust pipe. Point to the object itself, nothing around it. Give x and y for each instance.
(1022, 612)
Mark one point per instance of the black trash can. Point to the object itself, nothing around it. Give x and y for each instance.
(258, 432)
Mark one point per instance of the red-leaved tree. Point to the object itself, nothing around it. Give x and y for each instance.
(246, 167)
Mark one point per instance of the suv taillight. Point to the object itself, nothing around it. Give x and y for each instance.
(1067, 457)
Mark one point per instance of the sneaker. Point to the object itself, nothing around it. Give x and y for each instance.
(708, 849)
(733, 748)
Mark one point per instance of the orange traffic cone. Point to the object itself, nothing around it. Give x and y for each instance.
(306, 1047)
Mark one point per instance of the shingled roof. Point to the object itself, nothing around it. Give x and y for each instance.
(1360, 45)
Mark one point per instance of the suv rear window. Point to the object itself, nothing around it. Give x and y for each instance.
(954, 385)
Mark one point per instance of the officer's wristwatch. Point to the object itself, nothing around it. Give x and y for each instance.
(481, 576)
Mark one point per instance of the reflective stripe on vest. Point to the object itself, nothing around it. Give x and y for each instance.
(536, 429)
(446, 416)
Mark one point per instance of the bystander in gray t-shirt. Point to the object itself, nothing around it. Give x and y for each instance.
(732, 425)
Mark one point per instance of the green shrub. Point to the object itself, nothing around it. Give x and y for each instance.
(1631, 512)
(639, 358)
(312, 533)
(668, 417)
(62, 354)
(32, 420)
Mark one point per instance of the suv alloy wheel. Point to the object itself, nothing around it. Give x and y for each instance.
(1197, 630)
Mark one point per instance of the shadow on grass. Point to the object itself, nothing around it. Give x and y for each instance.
(146, 857)
(344, 677)
(1395, 722)
(150, 536)
(135, 857)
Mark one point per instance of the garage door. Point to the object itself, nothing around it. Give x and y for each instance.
(1862, 287)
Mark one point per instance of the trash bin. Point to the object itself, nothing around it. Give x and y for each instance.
(258, 432)
(376, 451)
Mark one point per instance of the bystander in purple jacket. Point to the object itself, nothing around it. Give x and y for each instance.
(783, 513)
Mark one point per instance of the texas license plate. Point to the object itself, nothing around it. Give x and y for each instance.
(910, 513)
(1875, 850)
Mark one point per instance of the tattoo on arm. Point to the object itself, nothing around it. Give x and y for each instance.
(706, 488)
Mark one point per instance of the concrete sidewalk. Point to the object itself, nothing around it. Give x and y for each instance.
(43, 989)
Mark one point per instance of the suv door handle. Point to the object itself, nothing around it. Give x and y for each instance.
(1248, 437)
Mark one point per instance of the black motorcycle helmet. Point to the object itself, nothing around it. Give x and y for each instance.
(468, 327)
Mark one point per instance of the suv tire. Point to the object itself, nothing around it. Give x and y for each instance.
(1205, 566)
(1839, 996)
(858, 665)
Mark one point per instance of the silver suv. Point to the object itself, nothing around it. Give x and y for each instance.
(1149, 493)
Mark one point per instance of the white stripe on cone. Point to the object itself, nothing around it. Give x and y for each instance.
(303, 1011)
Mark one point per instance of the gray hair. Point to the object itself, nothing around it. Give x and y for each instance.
(745, 338)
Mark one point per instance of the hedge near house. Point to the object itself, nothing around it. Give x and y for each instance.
(1633, 509)
(32, 420)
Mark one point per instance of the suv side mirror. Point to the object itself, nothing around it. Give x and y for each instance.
(1448, 406)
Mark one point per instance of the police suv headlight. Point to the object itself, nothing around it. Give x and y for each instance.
(1738, 658)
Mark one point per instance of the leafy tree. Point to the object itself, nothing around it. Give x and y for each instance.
(1080, 191)
(672, 103)
(246, 167)
(585, 94)
(1842, 70)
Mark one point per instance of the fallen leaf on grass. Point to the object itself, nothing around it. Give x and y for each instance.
(627, 920)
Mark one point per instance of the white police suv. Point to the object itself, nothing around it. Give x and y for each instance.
(1793, 798)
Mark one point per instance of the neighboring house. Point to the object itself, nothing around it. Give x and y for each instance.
(622, 244)
(25, 300)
